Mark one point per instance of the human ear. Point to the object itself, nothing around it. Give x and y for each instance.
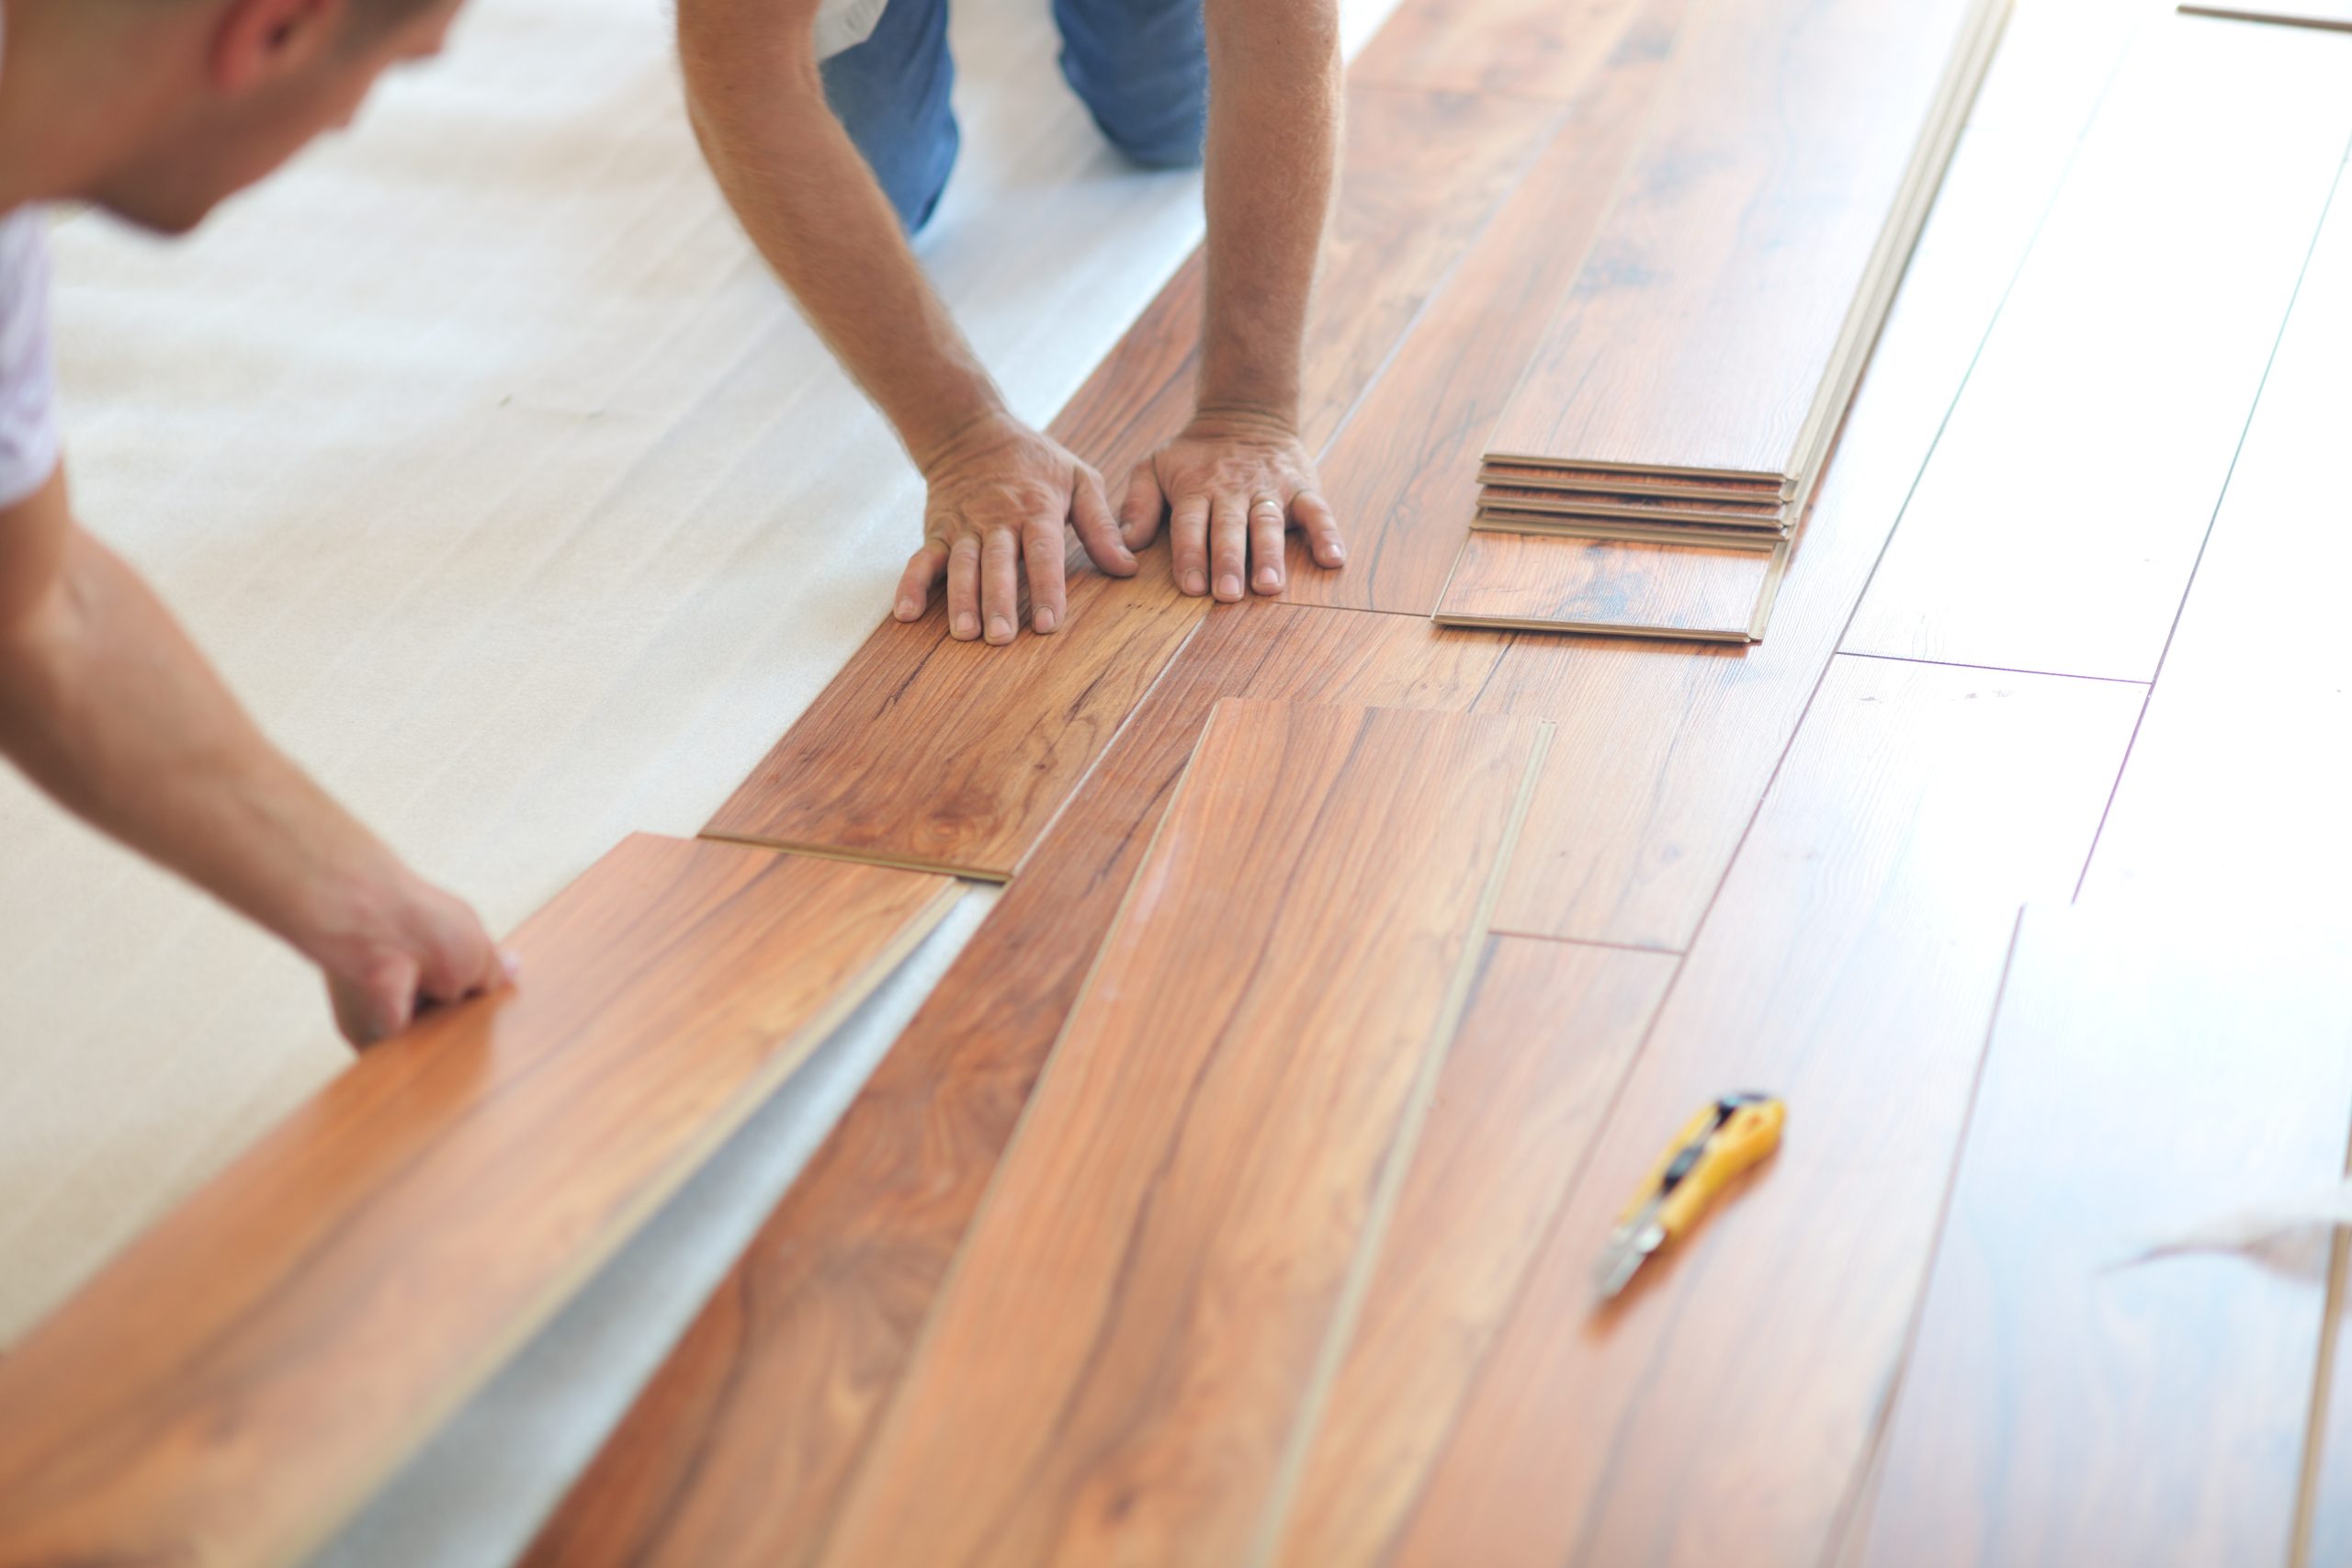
(258, 42)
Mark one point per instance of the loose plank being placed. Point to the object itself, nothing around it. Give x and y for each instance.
(1723, 1409)
(1735, 286)
(2056, 526)
(1145, 1306)
(738, 1451)
(1611, 587)
(1550, 1030)
(2067, 1401)
(232, 1385)
(929, 752)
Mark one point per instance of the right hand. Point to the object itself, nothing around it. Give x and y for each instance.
(1000, 496)
(397, 946)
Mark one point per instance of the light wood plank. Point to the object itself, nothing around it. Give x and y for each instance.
(1606, 585)
(737, 1454)
(2233, 797)
(2336, 14)
(929, 752)
(1715, 308)
(1399, 472)
(1541, 49)
(1169, 1240)
(1664, 752)
(2061, 1406)
(1722, 1411)
(1550, 1030)
(230, 1386)
(2058, 522)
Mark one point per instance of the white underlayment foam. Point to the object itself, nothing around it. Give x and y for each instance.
(507, 489)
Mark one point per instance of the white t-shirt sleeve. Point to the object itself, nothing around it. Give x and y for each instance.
(843, 24)
(29, 440)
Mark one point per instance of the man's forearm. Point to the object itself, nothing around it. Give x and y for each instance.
(808, 201)
(1275, 95)
(108, 707)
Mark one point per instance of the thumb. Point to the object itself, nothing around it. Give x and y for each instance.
(378, 1003)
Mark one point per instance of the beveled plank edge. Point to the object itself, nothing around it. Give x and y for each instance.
(992, 874)
(2268, 19)
(1395, 1169)
(331, 1511)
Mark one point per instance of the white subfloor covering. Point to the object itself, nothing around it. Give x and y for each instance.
(503, 481)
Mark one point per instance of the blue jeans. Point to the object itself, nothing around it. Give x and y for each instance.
(1141, 66)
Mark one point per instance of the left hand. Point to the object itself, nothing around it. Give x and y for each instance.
(1232, 485)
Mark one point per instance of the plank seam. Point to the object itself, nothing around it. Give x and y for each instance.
(1994, 669)
(1395, 1169)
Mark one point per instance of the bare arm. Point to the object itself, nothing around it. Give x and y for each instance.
(106, 705)
(1241, 475)
(1000, 492)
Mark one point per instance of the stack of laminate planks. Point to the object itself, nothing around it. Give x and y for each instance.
(1689, 389)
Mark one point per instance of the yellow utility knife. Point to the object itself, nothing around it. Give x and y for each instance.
(1717, 1144)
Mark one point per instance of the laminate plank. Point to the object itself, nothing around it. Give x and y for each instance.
(2146, 1073)
(1664, 752)
(1766, 518)
(929, 752)
(740, 1451)
(2058, 522)
(228, 1387)
(1171, 1236)
(1399, 472)
(2336, 14)
(1541, 49)
(1630, 589)
(1716, 307)
(1550, 1030)
(2234, 795)
(1722, 1411)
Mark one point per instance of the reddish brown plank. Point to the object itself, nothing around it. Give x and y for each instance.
(1550, 1030)
(230, 1386)
(1526, 48)
(1213, 1149)
(1722, 1410)
(1610, 586)
(929, 752)
(1401, 474)
(2148, 1072)
(740, 1448)
(1664, 752)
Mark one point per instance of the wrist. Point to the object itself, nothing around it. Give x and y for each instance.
(960, 421)
(1268, 420)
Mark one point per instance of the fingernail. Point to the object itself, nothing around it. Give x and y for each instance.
(909, 609)
(1195, 582)
(1338, 555)
(1228, 587)
(1269, 580)
(998, 629)
(1045, 619)
(965, 627)
(513, 964)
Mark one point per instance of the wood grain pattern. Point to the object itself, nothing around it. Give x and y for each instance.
(1664, 752)
(1715, 306)
(2146, 1074)
(230, 1385)
(1764, 517)
(2089, 446)
(1399, 473)
(1614, 586)
(1169, 1239)
(1541, 49)
(1851, 963)
(738, 1451)
(2336, 14)
(929, 752)
(2234, 796)
(1550, 1030)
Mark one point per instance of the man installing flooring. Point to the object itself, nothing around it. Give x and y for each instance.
(829, 127)
(157, 110)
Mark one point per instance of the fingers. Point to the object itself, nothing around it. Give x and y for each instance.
(1089, 512)
(1001, 584)
(378, 1003)
(1140, 513)
(1266, 530)
(1313, 515)
(1229, 545)
(1041, 547)
(1188, 542)
(964, 589)
(923, 569)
